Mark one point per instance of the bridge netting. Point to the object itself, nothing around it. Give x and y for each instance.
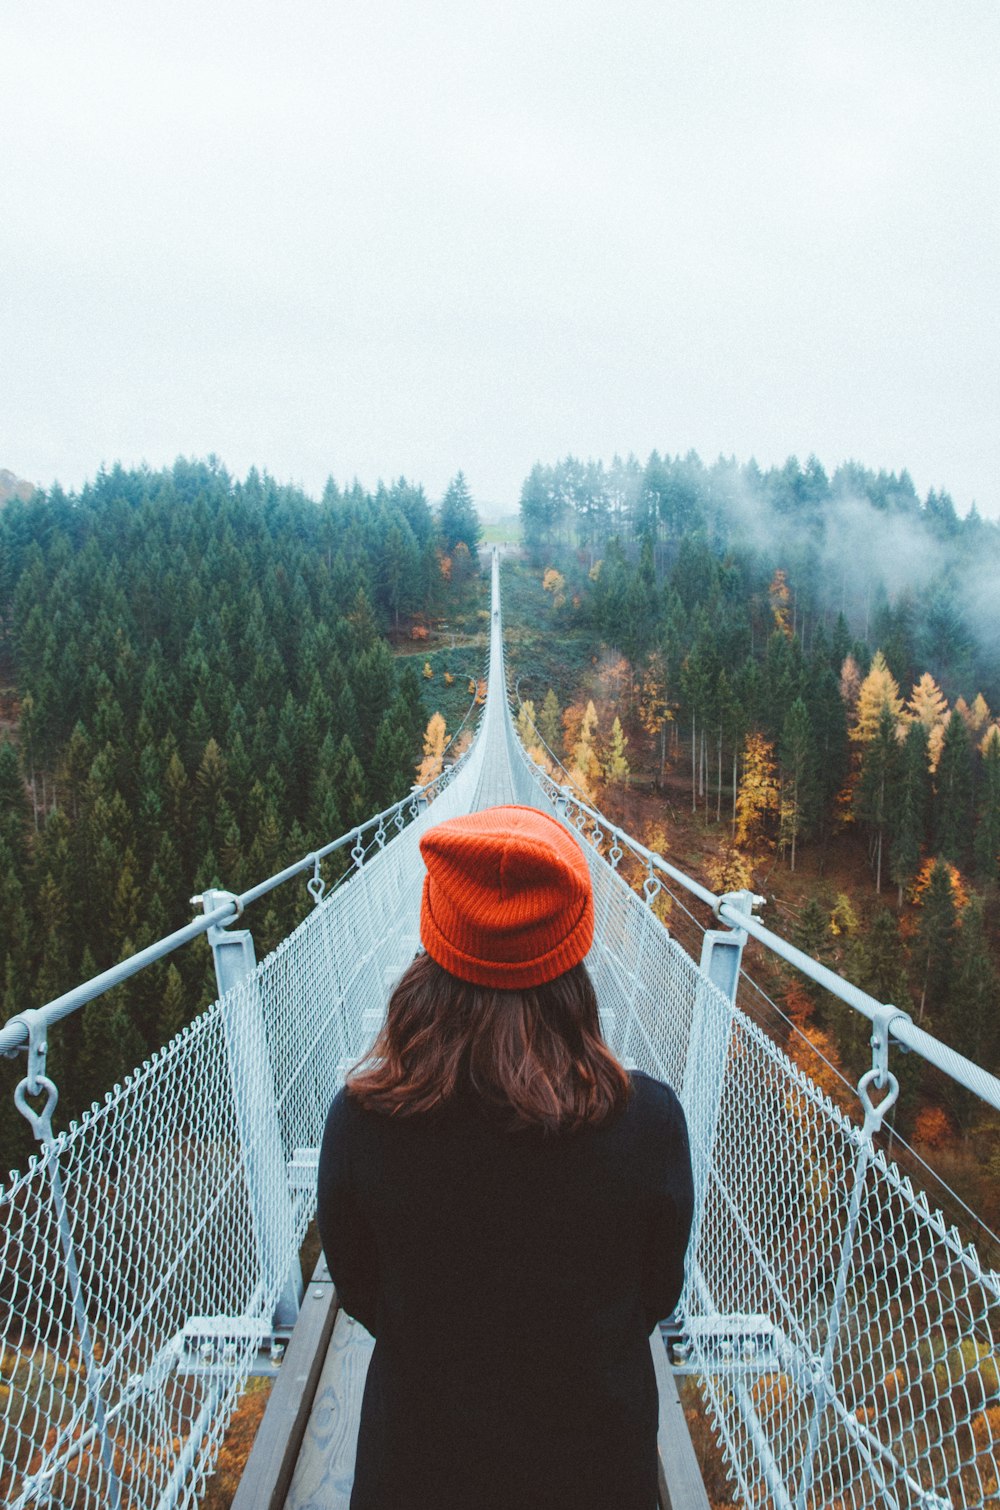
(842, 1332)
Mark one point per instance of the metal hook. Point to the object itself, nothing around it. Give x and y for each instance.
(880, 1074)
(874, 1112)
(35, 1079)
(40, 1121)
(316, 886)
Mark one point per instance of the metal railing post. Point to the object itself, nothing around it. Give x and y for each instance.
(252, 1079)
(708, 1050)
(722, 948)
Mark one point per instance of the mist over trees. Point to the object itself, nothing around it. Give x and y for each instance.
(907, 574)
(195, 689)
(812, 665)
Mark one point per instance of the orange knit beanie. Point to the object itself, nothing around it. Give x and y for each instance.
(507, 900)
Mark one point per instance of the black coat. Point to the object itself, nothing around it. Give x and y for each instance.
(511, 1281)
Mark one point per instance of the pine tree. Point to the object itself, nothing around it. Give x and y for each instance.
(876, 793)
(953, 797)
(910, 810)
(549, 721)
(969, 1017)
(350, 785)
(936, 938)
(457, 517)
(987, 840)
(798, 772)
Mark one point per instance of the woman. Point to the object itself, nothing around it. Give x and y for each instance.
(501, 1204)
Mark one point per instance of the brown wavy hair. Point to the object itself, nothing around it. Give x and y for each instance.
(534, 1056)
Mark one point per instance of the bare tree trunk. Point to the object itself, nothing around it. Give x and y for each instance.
(694, 766)
(718, 792)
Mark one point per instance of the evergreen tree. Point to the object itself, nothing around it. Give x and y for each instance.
(910, 809)
(876, 794)
(457, 517)
(936, 939)
(798, 776)
(953, 798)
(987, 840)
(549, 721)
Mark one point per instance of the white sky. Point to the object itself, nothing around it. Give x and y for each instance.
(409, 237)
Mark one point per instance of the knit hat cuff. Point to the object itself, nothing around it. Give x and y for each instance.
(510, 975)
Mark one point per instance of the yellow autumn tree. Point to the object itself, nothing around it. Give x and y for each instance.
(927, 703)
(975, 718)
(584, 766)
(584, 751)
(850, 684)
(935, 741)
(878, 690)
(758, 794)
(555, 583)
(526, 724)
(435, 738)
(654, 709)
(780, 599)
(991, 737)
(616, 766)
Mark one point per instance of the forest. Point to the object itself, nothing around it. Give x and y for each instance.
(197, 686)
(791, 681)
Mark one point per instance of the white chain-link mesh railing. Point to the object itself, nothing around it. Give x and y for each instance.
(843, 1334)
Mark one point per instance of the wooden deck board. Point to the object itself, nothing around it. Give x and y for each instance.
(324, 1472)
(268, 1472)
(681, 1484)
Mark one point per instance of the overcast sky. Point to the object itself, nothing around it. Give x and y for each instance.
(407, 238)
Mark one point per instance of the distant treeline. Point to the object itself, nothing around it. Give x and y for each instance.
(197, 689)
(909, 575)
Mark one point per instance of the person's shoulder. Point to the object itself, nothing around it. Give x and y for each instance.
(655, 1101)
(344, 1115)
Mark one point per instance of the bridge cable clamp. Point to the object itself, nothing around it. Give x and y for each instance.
(36, 1081)
(227, 896)
(746, 902)
(880, 1076)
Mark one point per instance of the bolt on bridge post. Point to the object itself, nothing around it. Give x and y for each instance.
(252, 1081)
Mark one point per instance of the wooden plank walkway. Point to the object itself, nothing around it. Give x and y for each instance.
(324, 1472)
(303, 1457)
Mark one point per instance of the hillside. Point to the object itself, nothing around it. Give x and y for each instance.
(712, 695)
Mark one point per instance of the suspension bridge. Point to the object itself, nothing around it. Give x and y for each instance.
(842, 1332)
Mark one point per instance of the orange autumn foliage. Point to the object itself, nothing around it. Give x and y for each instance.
(221, 1487)
(932, 1127)
(922, 880)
